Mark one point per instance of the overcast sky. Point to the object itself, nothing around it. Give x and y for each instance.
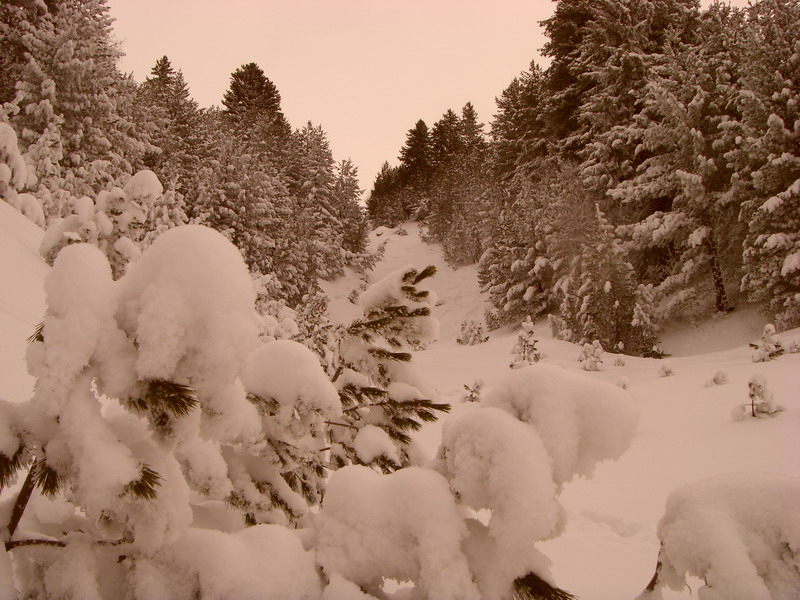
(366, 70)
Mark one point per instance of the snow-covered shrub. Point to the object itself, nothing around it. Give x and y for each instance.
(762, 402)
(153, 397)
(793, 346)
(581, 420)
(739, 533)
(370, 368)
(524, 351)
(472, 393)
(591, 356)
(619, 361)
(624, 383)
(14, 176)
(770, 347)
(666, 370)
(471, 333)
(719, 378)
(114, 222)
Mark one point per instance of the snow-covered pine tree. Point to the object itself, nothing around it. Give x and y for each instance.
(382, 398)
(14, 177)
(768, 160)
(115, 221)
(74, 112)
(692, 234)
(156, 407)
(525, 351)
(601, 300)
(177, 129)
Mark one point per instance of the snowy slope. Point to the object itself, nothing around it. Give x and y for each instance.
(609, 548)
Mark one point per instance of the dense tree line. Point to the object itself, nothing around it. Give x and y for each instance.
(83, 127)
(651, 171)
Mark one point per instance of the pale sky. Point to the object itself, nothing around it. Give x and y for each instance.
(366, 70)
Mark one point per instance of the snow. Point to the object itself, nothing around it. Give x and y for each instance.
(290, 373)
(493, 461)
(263, 562)
(609, 545)
(740, 533)
(582, 421)
(372, 442)
(144, 186)
(405, 526)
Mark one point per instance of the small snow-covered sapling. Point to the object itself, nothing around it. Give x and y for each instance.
(666, 370)
(473, 393)
(471, 333)
(770, 347)
(761, 399)
(719, 378)
(591, 357)
(524, 351)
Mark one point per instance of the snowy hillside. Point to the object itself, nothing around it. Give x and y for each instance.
(609, 548)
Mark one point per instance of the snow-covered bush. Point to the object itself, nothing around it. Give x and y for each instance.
(739, 533)
(619, 361)
(793, 346)
(15, 175)
(591, 356)
(471, 333)
(762, 402)
(524, 351)
(581, 420)
(770, 347)
(114, 222)
(666, 370)
(377, 385)
(719, 378)
(154, 403)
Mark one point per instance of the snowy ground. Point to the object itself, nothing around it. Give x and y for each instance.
(609, 548)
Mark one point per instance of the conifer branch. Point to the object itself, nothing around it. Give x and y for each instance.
(38, 334)
(533, 587)
(45, 477)
(10, 465)
(19, 543)
(145, 486)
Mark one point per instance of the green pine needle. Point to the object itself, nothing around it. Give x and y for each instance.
(388, 355)
(46, 478)
(428, 271)
(175, 398)
(533, 587)
(10, 465)
(145, 486)
(38, 334)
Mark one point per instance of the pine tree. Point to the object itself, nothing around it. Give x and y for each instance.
(74, 112)
(766, 159)
(178, 129)
(380, 396)
(685, 173)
